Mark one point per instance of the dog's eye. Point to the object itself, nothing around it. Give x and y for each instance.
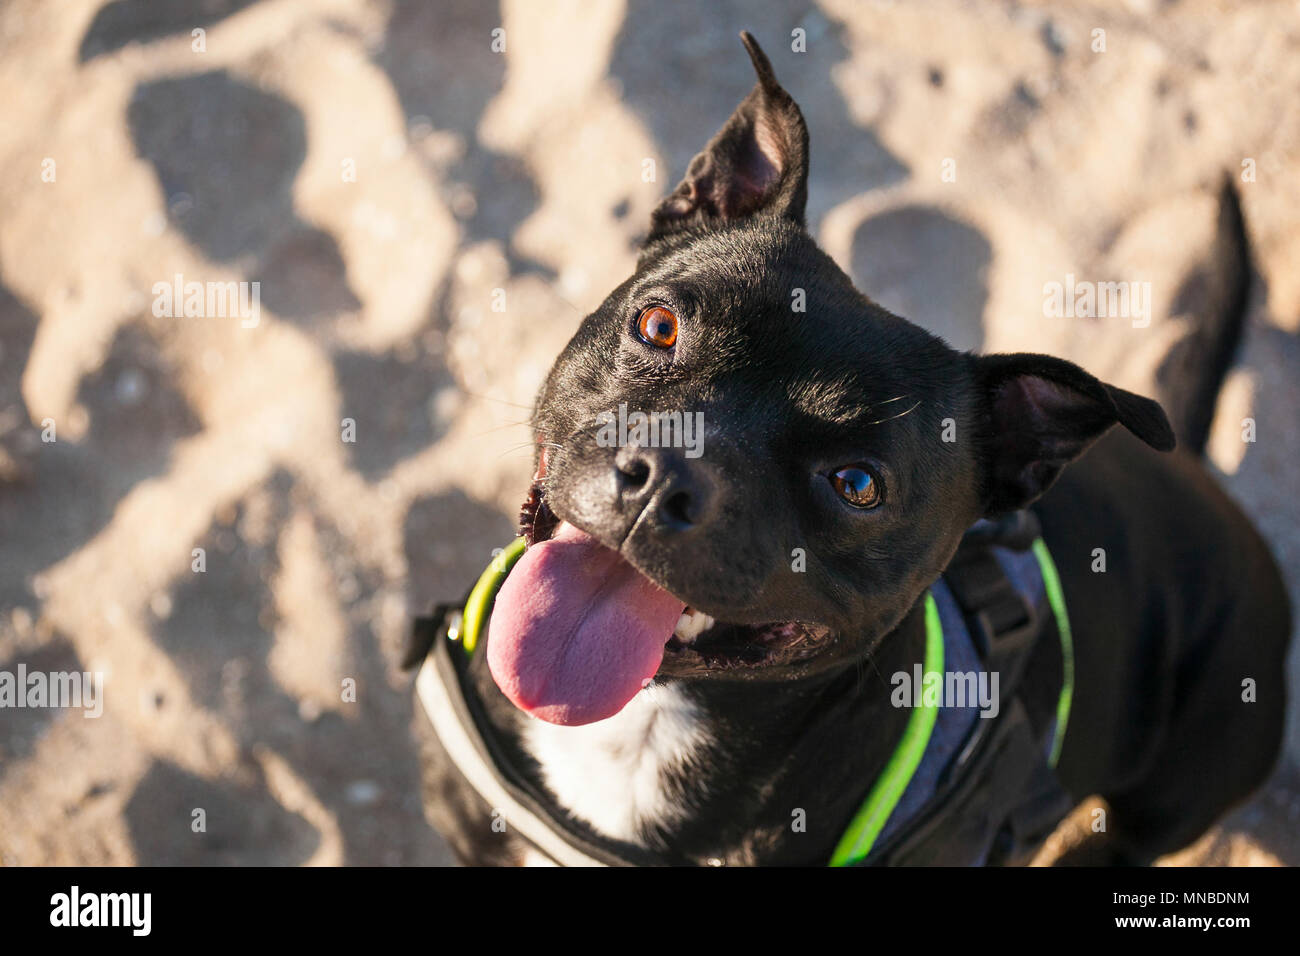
(857, 486)
(658, 327)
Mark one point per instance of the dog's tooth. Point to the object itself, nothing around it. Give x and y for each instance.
(692, 624)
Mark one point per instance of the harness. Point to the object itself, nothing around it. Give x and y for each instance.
(959, 789)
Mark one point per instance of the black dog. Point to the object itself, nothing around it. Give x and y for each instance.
(771, 578)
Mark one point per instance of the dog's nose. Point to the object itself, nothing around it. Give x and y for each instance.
(677, 494)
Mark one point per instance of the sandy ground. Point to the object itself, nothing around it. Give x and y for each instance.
(383, 172)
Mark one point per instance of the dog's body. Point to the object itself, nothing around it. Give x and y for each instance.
(824, 439)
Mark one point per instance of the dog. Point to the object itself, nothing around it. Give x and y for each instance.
(688, 661)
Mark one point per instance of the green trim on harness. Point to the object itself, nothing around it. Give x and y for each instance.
(888, 789)
(1056, 598)
(479, 604)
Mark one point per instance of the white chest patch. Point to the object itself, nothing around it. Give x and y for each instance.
(614, 774)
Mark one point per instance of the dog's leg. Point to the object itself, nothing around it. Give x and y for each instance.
(1106, 848)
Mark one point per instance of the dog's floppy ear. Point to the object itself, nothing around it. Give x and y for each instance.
(1041, 413)
(757, 162)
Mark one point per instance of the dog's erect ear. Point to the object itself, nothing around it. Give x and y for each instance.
(1041, 413)
(757, 162)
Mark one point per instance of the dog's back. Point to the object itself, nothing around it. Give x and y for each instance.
(1181, 626)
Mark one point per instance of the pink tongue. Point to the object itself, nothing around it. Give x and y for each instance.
(577, 631)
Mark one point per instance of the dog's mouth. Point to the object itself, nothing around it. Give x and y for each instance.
(577, 631)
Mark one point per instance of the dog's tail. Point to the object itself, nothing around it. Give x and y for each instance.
(1215, 296)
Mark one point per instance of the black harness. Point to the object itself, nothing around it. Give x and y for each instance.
(995, 802)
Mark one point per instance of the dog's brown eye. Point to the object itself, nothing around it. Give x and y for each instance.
(658, 327)
(857, 486)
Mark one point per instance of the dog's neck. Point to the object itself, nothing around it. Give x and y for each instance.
(730, 769)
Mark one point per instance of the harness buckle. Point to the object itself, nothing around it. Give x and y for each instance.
(443, 621)
(1003, 623)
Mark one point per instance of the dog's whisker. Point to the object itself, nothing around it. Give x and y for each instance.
(499, 401)
(881, 421)
(496, 428)
(563, 298)
(516, 448)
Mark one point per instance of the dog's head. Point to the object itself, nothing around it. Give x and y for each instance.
(748, 470)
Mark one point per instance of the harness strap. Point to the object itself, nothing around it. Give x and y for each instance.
(455, 733)
(466, 736)
(1056, 598)
(888, 789)
(479, 603)
(1004, 625)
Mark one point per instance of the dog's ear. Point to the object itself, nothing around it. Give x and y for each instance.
(1040, 414)
(757, 162)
